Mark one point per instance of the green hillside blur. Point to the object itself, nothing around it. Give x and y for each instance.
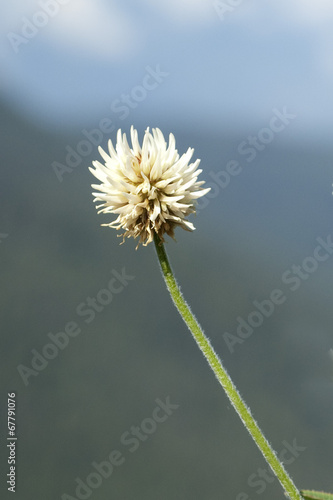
(136, 350)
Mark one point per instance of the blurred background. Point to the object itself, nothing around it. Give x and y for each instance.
(247, 85)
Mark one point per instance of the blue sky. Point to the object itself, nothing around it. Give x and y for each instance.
(227, 69)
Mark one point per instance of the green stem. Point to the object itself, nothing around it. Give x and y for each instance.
(222, 376)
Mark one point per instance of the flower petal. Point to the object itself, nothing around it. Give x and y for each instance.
(151, 188)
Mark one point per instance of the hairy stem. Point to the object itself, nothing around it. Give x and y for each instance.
(222, 375)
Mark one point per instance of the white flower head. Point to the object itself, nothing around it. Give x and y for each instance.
(151, 188)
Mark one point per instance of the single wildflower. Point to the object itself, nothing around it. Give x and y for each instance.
(151, 188)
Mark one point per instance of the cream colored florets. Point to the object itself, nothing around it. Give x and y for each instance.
(150, 188)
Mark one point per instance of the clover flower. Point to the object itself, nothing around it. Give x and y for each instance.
(151, 188)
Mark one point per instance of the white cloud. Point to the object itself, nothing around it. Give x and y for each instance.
(95, 28)
(92, 28)
(309, 18)
(104, 31)
(301, 13)
(309, 12)
(185, 12)
(316, 17)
